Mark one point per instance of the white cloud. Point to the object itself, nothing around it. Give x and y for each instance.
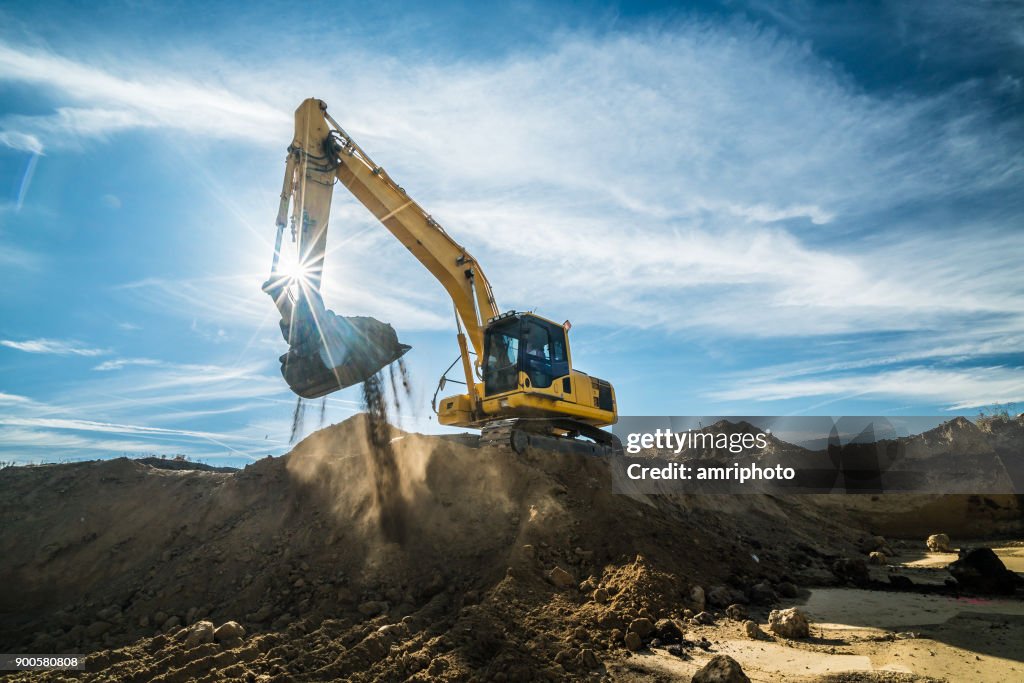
(58, 347)
(121, 363)
(111, 428)
(21, 141)
(960, 389)
(114, 102)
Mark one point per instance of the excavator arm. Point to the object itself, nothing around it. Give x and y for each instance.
(320, 154)
(326, 351)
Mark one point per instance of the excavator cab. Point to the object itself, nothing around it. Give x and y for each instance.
(522, 342)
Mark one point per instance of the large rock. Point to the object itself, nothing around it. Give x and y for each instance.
(982, 571)
(721, 669)
(938, 543)
(789, 623)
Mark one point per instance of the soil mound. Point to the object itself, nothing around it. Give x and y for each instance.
(120, 559)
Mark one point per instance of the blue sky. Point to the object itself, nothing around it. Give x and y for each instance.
(743, 207)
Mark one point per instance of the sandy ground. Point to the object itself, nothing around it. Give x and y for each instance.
(875, 635)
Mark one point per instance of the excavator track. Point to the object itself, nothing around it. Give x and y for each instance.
(520, 435)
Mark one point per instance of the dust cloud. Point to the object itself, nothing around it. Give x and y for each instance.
(383, 463)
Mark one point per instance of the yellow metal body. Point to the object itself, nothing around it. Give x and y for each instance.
(323, 152)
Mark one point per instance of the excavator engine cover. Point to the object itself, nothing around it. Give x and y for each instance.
(328, 352)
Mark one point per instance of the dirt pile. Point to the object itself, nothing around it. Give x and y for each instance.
(119, 559)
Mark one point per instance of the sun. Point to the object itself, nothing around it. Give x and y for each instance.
(292, 270)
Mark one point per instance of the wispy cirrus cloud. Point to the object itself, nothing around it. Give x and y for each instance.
(25, 142)
(971, 387)
(57, 347)
(121, 363)
(101, 103)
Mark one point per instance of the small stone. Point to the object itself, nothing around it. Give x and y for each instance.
(588, 660)
(789, 623)
(564, 658)
(229, 631)
(560, 578)
(199, 633)
(752, 630)
(938, 543)
(736, 612)
(787, 589)
(170, 623)
(871, 543)
(703, 619)
(721, 669)
(601, 596)
(668, 631)
(633, 642)
(877, 558)
(642, 627)
(722, 596)
(697, 598)
(762, 594)
(853, 570)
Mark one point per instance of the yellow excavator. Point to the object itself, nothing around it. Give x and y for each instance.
(521, 388)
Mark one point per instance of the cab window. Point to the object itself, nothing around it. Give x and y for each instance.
(544, 354)
(501, 362)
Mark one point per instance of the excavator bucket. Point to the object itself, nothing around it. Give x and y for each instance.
(328, 352)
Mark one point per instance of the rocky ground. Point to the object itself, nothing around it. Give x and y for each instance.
(488, 566)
